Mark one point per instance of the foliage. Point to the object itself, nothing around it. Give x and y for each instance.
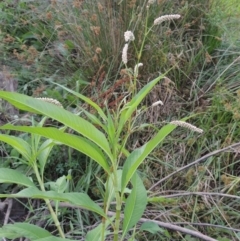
(200, 54)
(93, 144)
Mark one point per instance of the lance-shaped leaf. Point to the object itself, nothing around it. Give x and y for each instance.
(138, 155)
(19, 144)
(96, 233)
(43, 153)
(53, 238)
(81, 200)
(12, 176)
(109, 188)
(76, 123)
(79, 143)
(135, 204)
(19, 230)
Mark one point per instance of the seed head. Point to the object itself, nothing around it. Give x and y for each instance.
(124, 54)
(135, 72)
(164, 18)
(159, 102)
(187, 125)
(50, 100)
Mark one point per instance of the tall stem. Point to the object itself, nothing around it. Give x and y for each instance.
(47, 201)
(105, 208)
(118, 206)
(103, 229)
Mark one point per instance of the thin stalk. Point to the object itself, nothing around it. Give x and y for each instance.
(103, 229)
(118, 207)
(47, 201)
(105, 208)
(117, 196)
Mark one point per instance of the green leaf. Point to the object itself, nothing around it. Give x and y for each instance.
(95, 234)
(130, 107)
(18, 230)
(28, 35)
(111, 129)
(79, 143)
(43, 153)
(94, 120)
(81, 200)
(12, 176)
(8, 234)
(19, 144)
(138, 155)
(109, 188)
(151, 227)
(59, 186)
(53, 238)
(74, 122)
(135, 204)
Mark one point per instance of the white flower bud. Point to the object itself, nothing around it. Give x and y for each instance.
(128, 35)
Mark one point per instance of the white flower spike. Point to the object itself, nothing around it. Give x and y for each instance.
(164, 18)
(187, 125)
(124, 54)
(159, 102)
(135, 72)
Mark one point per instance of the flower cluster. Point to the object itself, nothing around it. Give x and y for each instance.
(159, 102)
(135, 72)
(164, 18)
(187, 125)
(124, 54)
(128, 36)
(50, 100)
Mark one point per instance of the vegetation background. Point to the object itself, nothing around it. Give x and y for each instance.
(79, 44)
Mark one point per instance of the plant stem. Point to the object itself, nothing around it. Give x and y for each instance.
(103, 229)
(47, 201)
(118, 216)
(105, 208)
(118, 203)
